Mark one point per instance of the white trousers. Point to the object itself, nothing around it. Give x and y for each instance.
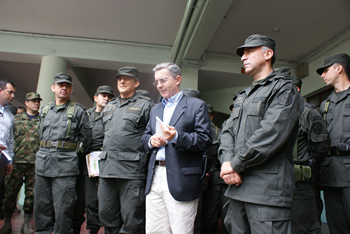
(163, 213)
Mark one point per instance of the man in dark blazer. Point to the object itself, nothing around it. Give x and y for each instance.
(175, 168)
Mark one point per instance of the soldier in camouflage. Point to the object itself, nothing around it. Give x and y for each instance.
(25, 147)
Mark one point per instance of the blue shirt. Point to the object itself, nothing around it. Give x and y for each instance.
(169, 107)
(6, 130)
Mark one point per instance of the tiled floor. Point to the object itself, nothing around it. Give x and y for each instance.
(17, 221)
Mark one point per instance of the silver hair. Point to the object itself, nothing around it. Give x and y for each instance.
(264, 49)
(172, 68)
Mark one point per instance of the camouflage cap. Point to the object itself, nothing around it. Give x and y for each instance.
(62, 77)
(338, 58)
(33, 95)
(104, 89)
(192, 93)
(210, 108)
(257, 40)
(143, 92)
(128, 71)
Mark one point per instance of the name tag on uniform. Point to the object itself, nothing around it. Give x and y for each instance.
(134, 110)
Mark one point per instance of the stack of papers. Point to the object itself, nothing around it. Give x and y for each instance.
(92, 163)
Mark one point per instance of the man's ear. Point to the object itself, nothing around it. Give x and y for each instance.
(339, 68)
(178, 80)
(268, 54)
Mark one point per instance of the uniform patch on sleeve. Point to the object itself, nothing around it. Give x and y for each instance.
(317, 128)
(134, 110)
(285, 98)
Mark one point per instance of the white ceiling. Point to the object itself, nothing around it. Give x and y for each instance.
(304, 27)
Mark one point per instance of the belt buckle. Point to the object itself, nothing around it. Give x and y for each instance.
(59, 144)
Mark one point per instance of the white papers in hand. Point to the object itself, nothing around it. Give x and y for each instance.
(158, 128)
(92, 163)
(7, 156)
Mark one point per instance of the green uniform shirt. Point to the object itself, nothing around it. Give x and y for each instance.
(26, 137)
(335, 170)
(312, 136)
(123, 155)
(258, 140)
(56, 162)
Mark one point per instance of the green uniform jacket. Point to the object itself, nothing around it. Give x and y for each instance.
(123, 155)
(26, 136)
(313, 134)
(258, 140)
(97, 130)
(53, 162)
(335, 170)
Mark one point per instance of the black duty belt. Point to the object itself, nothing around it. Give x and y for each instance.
(160, 163)
(58, 145)
(333, 151)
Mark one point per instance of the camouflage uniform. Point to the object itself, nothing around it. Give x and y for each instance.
(26, 145)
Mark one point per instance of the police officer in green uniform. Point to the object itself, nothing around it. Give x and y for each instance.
(257, 143)
(25, 147)
(121, 191)
(103, 95)
(311, 148)
(65, 135)
(335, 169)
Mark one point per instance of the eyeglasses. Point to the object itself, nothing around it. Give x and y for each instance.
(161, 80)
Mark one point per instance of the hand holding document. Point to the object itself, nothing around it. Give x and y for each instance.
(158, 128)
(93, 164)
(2, 150)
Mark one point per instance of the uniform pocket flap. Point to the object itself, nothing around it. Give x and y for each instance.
(191, 170)
(128, 156)
(268, 214)
(65, 155)
(40, 154)
(346, 160)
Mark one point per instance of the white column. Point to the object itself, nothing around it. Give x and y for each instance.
(50, 66)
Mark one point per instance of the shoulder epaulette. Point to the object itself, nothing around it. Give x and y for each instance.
(145, 97)
(89, 111)
(80, 105)
(310, 105)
